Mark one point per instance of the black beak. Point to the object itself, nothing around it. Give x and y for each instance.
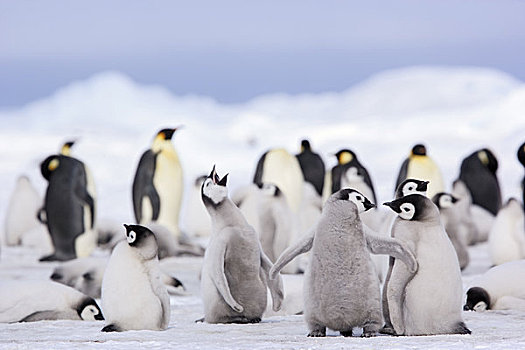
(394, 206)
(423, 186)
(99, 317)
(368, 205)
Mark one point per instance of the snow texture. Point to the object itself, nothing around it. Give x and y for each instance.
(454, 111)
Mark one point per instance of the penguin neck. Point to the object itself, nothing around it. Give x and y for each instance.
(226, 214)
(164, 146)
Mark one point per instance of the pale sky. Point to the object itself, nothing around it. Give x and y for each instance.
(234, 50)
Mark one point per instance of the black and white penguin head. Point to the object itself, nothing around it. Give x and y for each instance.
(444, 200)
(88, 310)
(345, 156)
(49, 165)
(353, 174)
(414, 207)
(349, 195)
(477, 300)
(214, 190)
(163, 138)
(270, 189)
(143, 239)
(521, 154)
(412, 186)
(419, 150)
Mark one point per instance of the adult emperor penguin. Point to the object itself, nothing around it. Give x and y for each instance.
(341, 288)
(133, 295)
(419, 165)
(521, 158)
(500, 288)
(451, 220)
(25, 301)
(157, 186)
(235, 269)
(279, 167)
(478, 172)
(507, 236)
(312, 166)
(428, 301)
(346, 159)
(69, 208)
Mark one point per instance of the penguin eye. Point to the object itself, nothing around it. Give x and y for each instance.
(405, 209)
(410, 188)
(131, 237)
(93, 310)
(359, 198)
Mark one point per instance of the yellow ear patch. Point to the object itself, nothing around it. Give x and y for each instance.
(483, 157)
(66, 150)
(345, 157)
(53, 164)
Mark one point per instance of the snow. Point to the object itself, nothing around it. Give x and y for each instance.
(453, 110)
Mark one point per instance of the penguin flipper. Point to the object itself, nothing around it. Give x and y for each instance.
(368, 181)
(337, 172)
(257, 178)
(111, 328)
(403, 172)
(143, 185)
(396, 294)
(42, 315)
(291, 252)
(84, 196)
(275, 285)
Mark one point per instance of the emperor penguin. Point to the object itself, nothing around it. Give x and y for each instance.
(341, 288)
(500, 288)
(158, 184)
(419, 165)
(21, 215)
(279, 167)
(234, 277)
(451, 220)
(196, 217)
(464, 207)
(521, 159)
(507, 236)
(349, 171)
(133, 295)
(312, 166)
(478, 172)
(69, 208)
(26, 301)
(428, 301)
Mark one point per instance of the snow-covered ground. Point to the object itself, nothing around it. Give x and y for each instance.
(454, 111)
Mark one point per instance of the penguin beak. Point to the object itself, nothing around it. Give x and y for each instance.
(369, 205)
(423, 186)
(394, 206)
(213, 175)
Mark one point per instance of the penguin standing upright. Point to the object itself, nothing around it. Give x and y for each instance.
(69, 208)
(312, 166)
(507, 235)
(279, 167)
(157, 186)
(419, 165)
(521, 158)
(478, 172)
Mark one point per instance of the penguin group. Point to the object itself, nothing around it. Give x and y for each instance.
(376, 268)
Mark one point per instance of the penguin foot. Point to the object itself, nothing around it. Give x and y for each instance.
(55, 257)
(317, 333)
(346, 333)
(244, 320)
(387, 329)
(199, 320)
(461, 328)
(368, 334)
(111, 328)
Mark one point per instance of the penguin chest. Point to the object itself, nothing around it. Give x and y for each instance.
(168, 183)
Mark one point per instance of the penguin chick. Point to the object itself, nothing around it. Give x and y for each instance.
(464, 205)
(340, 258)
(133, 295)
(235, 269)
(507, 236)
(27, 301)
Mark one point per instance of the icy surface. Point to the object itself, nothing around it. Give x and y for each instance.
(454, 111)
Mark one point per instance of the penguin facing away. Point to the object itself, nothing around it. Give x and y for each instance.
(419, 165)
(478, 172)
(464, 207)
(27, 301)
(312, 166)
(507, 236)
(341, 289)
(158, 184)
(235, 269)
(412, 297)
(500, 288)
(451, 220)
(69, 208)
(133, 295)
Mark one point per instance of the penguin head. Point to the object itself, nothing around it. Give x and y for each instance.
(352, 174)
(477, 300)
(163, 138)
(88, 310)
(143, 239)
(269, 189)
(66, 148)
(214, 190)
(488, 159)
(412, 186)
(199, 180)
(444, 200)
(49, 165)
(419, 150)
(305, 146)
(345, 156)
(521, 154)
(413, 207)
(349, 195)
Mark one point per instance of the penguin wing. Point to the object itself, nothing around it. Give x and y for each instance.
(300, 247)
(216, 253)
(337, 172)
(275, 285)
(402, 174)
(143, 186)
(390, 246)
(257, 178)
(368, 181)
(45, 315)
(83, 195)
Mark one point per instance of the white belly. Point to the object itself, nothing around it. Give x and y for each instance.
(168, 183)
